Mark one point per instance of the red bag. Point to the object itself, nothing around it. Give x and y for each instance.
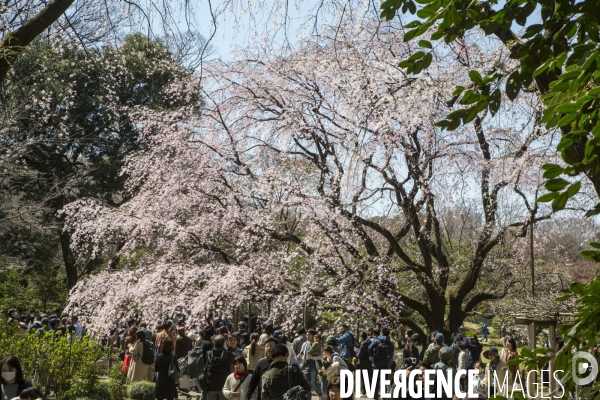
(126, 363)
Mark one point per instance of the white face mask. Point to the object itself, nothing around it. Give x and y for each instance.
(9, 376)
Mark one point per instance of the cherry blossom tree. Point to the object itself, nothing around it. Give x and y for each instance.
(316, 176)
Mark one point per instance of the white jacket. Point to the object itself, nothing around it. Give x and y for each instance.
(230, 385)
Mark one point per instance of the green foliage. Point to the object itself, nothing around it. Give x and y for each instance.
(117, 383)
(141, 390)
(577, 336)
(57, 362)
(88, 390)
(560, 54)
(498, 320)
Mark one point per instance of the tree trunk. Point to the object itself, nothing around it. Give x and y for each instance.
(68, 259)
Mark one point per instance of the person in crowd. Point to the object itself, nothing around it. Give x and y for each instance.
(432, 354)
(12, 316)
(183, 344)
(261, 367)
(330, 341)
(130, 324)
(166, 333)
(78, 327)
(299, 340)
(334, 390)
(309, 360)
(502, 330)
(461, 363)
(480, 368)
(282, 339)
(510, 354)
(495, 365)
(12, 382)
(485, 332)
(410, 354)
(335, 363)
(31, 393)
(232, 346)
(138, 371)
(267, 333)
(417, 343)
(475, 348)
(52, 324)
(242, 335)
(130, 337)
(223, 331)
(254, 351)
(218, 366)
(363, 355)
(36, 324)
(281, 376)
(462, 337)
(346, 343)
(445, 365)
(381, 353)
(236, 385)
(148, 332)
(165, 388)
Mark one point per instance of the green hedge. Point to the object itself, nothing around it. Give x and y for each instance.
(141, 390)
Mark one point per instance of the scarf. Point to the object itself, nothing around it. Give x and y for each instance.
(238, 375)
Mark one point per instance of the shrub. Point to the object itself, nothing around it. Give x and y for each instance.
(141, 391)
(116, 383)
(83, 390)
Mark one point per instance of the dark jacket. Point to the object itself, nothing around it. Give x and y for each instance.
(197, 357)
(219, 361)
(183, 346)
(363, 354)
(414, 353)
(277, 380)
(346, 342)
(375, 343)
(261, 367)
(165, 387)
(475, 351)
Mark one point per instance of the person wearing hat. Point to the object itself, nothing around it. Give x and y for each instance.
(497, 366)
(446, 356)
(431, 355)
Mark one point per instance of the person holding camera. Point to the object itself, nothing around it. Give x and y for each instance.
(410, 354)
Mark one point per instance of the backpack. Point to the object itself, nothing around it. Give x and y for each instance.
(382, 354)
(148, 354)
(434, 387)
(355, 342)
(294, 392)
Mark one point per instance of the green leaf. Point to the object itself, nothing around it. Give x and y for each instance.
(454, 124)
(567, 119)
(427, 60)
(547, 197)
(416, 56)
(567, 108)
(559, 202)
(408, 36)
(458, 90)
(457, 114)
(556, 184)
(577, 288)
(595, 245)
(542, 67)
(425, 43)
(495, 100)
(563, 298)
(573, 189)
(513, 85)
(552, 171)
(475, 76)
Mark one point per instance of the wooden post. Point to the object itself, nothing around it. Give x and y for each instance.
(552, 344)
(531, 345)
(269, 309)
(236, 316)
(531, 259)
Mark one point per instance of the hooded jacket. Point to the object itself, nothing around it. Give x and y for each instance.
(219, 361)
(197, 357)
(276, 381)
(375, 343)
(346, 342)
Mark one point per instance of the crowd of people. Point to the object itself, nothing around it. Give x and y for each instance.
(262, 363)
(259, 362)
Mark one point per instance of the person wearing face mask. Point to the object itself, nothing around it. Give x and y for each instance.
(11, 380)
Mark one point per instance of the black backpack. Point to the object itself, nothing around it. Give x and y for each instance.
(382, 354)
(148, 354)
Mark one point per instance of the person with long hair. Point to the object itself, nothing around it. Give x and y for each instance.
(254, 351)
(12, 382)
(130, 337)
(138, 371)
(267, 333)
(510, 353)
(165, 388)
